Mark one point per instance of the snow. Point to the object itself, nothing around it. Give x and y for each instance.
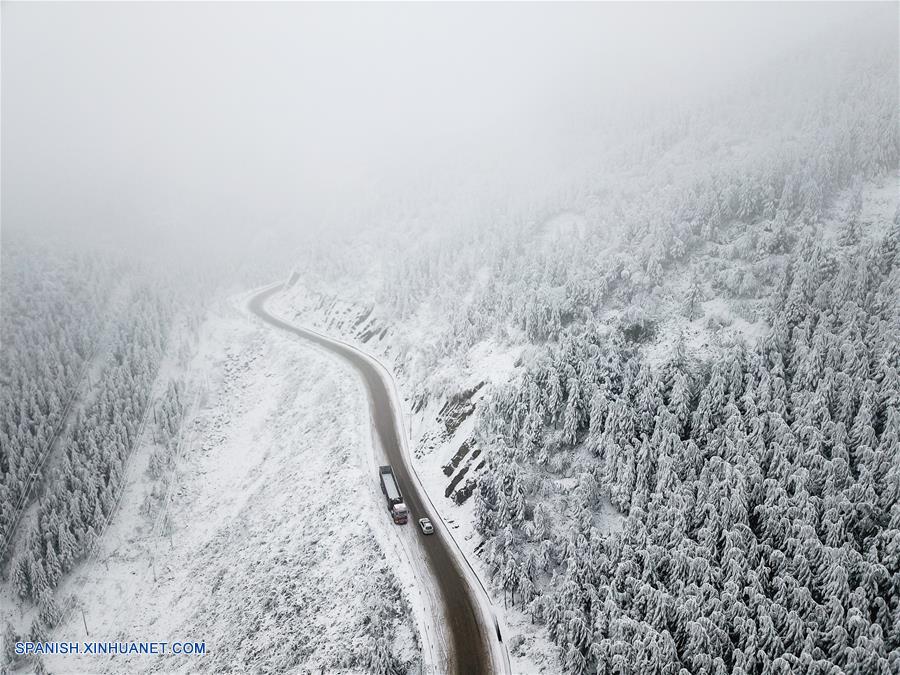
(279, 550)
(486, 361)
(563, 226)
(493, 362)
(406, 351)
(880, 201)
(403, 544)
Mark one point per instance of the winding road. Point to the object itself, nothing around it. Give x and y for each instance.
(474, 647)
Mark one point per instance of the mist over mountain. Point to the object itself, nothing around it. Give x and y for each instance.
(210, 123)
(607, 294)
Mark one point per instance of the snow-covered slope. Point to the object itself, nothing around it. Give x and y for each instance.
(542, 349)
(271, 551)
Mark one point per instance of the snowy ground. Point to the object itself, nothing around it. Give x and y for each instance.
(274, 556)
(432, 448)
(346, 312)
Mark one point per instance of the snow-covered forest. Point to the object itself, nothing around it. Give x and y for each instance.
(82, 494)
(716, 193)
(761, 488)
(56, 301)
(83, 340)
(708, 331)
(645, 332)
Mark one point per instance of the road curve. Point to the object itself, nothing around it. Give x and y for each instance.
(470, 652)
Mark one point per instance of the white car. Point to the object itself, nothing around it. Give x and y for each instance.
(426, 526)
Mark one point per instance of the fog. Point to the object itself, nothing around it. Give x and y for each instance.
(135, 122)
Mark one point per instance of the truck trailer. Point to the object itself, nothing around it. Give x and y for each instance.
(391, 491)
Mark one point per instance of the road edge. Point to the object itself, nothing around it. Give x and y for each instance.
(498, 648)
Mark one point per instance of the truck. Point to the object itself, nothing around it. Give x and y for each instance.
(391, 491)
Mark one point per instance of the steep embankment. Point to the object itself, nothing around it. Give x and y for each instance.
(267, 554)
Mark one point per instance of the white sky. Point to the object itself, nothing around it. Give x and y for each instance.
(224, 116)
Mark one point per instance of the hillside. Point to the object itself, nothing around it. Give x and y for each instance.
(690, 409)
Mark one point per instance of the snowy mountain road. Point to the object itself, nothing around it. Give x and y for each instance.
(471, 627)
